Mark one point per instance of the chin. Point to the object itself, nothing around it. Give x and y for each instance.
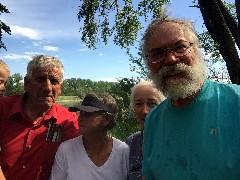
(182, 86)
(47, 104)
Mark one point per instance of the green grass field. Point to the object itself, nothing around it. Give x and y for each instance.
(68, 101)
(62, 98)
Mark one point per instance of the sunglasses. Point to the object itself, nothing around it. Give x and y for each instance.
(90, 114)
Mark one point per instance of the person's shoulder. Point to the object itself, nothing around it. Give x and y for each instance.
(132, 137)
(221, 84)
(156, 110)
(61, 108)
(119, 144)
(10, 101)
(10, 98)
(68, 144)
(225, 86)
(63, 111)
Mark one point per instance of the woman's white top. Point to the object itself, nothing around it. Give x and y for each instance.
(72, 162)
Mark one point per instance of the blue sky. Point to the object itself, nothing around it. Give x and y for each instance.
(51, 27)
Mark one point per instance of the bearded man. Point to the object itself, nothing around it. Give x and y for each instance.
(195, 133)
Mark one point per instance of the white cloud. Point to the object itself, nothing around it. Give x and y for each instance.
(101, 54)
(84, 49)
(50, 48)
(16, 56)
(108, 79)
(27, 32)
(36, 44)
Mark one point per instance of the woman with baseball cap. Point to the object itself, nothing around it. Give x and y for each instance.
(93, 155)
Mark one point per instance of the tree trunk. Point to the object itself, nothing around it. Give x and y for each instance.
(237, 4)
(223, 30)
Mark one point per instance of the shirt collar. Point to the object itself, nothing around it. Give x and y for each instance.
(17, 108)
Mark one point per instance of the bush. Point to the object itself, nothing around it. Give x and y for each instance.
(126, 123)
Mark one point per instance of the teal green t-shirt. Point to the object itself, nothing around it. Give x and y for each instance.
(200, 141)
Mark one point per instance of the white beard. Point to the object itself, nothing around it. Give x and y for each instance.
(186, 84)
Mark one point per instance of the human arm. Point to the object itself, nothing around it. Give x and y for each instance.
(59, 169)
(1, 175)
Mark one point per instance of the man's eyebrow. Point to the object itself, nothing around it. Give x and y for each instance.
(169, 45)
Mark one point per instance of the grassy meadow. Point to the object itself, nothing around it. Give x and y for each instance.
(68, 101)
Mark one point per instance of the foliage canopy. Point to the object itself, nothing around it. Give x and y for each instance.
(95, 16)
(221, 20)
(3, 27)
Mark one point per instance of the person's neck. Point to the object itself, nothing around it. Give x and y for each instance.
(181, 102)
(95, 143)
(35, 113)
(98, 149)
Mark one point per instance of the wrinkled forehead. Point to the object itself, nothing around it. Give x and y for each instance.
(48, 71)
(167, 33)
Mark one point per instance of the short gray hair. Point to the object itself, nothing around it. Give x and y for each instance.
(42, 61)
(141, 84)
(109, 101)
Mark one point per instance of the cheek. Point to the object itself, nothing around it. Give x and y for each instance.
(154, 68)
(136, 111)
(57, 90)
(190, 59)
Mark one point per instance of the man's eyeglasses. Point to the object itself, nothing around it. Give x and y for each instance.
(157, 55)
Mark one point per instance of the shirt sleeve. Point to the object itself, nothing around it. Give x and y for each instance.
(59, 168)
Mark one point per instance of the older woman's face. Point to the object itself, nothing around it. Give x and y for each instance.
(144, 99)
(91, 122)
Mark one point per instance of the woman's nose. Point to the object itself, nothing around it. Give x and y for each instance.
(145, 109)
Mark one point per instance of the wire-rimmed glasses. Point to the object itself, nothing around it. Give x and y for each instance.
(157, 55)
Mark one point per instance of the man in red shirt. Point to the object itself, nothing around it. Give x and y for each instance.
(32, 125)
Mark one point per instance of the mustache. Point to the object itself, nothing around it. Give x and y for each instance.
(175, 69)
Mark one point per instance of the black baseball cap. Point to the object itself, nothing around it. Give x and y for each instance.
(91, 103)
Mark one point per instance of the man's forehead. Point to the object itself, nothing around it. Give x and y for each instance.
(47, 71)
(166, 34)
(169, 29)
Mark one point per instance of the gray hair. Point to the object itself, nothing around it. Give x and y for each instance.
(109, 101)
(4, 66)
(43, 61)
(141, 84)
(188, 27)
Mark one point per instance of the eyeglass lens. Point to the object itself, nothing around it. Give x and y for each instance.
(159, 54)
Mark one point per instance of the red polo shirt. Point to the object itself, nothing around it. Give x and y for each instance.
(25, 153)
